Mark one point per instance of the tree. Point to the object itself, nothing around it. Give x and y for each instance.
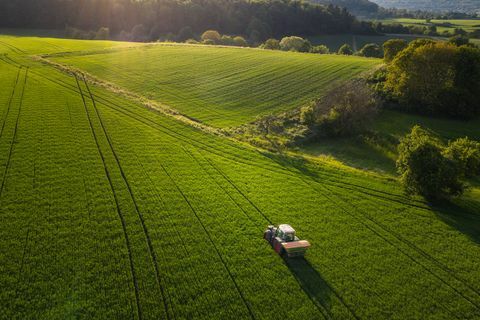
(320, 49)
(459, 40)
(294, 43)
(466, 153)
(436, 78)
(211, 35)
(240, 41)
(392, 47)
(345, 50)
(271, 44)
(424, 170)
(139, 33)
(371, 50)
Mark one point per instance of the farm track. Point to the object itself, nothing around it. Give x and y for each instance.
(5, 115)
(15, 130)
(122, 219)
(247, 305)
(134, 201)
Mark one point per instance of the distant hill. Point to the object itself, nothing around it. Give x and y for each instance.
(432, 5)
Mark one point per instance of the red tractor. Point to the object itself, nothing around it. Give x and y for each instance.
(285, 242)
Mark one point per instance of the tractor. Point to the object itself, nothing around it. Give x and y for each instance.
(285, 242)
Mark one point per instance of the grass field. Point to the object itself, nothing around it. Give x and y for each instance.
(450, 25)
(111, 210)
(221, 87)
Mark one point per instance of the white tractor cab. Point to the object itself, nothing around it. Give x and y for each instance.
(285, 242)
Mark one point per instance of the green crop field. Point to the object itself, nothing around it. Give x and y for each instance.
(448, 25)
(110, 210)
(220, 86)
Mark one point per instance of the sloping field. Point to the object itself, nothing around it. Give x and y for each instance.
(111, 211)
(221, 87)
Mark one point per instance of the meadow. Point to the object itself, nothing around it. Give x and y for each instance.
(222, 87)
(112, 210)
(448, 25)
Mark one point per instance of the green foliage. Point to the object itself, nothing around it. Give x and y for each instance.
(185, 33)
(294, 43)
(271, 44)
(424, 170)
(459, 40)
(345, 50)
(392, 47)
(371, 50)
(466, 153)
(211, 36)
(240, 41)
(102, 34)
(320, 49)
(436, 78)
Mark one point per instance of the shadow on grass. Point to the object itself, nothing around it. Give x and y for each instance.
(462, 214)
(318, 289)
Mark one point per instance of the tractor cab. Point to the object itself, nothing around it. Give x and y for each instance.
(286, 233)
(285, 242)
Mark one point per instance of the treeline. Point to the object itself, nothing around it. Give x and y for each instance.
(257, 20)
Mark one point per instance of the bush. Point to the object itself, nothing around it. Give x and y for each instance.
(466, 153)
(436, 78)
(185, 33)
(459, 40)
(191, 41)
(345, 50)
(208, 41)
(227, 40)
(103, 34)
(392, 47)
(211, 35)
(271, 44)
(320, 49)
(240, 42)
(424, 170)
(295, 44)
(371, 50)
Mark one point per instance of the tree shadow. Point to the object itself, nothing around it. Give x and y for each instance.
(463, 214)
(320, 292)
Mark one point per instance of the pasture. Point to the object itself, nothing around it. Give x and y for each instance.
(111, 210)
(447, 25)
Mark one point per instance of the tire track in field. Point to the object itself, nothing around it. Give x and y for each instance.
(134, 201)
(247, 305)
(12, 145)
(342, 301)
(7, 111)
(122, 219)
(416, 261)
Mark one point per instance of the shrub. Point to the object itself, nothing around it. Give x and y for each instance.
(208, 41)
(271, 44)
(424, 170)
(102, 34)
(320, 49)
(211, 35)
(347, 110)
(371, 50)
(227, 40)
(295, 44)
(345, 50)
(466, 153)
(191, 41)
(392, 47)
(308, 115)
(240, 42)
(185, 33)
